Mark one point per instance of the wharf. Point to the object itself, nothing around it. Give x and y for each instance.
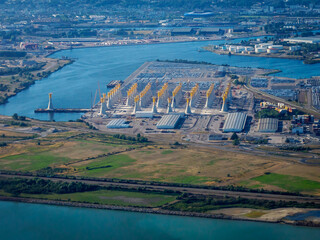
(62, 110)
(113, 83)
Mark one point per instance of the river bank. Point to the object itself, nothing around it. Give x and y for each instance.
(16, 83)
(105, 64)
(155, 211)
(264, 55)
(133, 42)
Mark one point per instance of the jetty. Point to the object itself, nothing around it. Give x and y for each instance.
(51, 109)
(114, 83)
(62, 110)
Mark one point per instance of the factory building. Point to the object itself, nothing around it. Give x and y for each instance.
(168, 121)
(144, 114)
(235, 122)
(117, 123)
(268, 125)
(311, 40)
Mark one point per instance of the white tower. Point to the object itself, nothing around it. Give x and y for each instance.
(103, 107)
(136, 104)
(173, 104)
(169, 109)
(188, 108)
(154, 105)
(50, 105)
(224, 106)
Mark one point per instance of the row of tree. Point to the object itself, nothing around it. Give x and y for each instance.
(41, 186)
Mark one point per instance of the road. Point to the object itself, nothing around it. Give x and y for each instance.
(198, 191)
(272, 98)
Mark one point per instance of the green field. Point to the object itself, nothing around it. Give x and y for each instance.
(288, 182)
(30, 162)
(119, 198)
(255, 214)
(104, 165)
(35, 157)
(190, 179)
(167, 152)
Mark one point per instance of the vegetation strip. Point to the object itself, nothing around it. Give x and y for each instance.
(199, 190)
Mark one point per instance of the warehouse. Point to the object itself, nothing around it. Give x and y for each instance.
(117, 123)
(268, 125)
(235, 122)
(144, 114)
(311, 40)
(168, 121)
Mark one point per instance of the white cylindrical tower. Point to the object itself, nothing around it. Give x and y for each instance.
(50, 105)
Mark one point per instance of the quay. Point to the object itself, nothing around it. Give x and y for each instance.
(62, 110)
(51, 109)
(114, 83)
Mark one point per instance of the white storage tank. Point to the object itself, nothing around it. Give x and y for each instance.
(260, 50)
(278, 47)
(272, 50)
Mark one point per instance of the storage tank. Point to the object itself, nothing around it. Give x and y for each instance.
(260, 50)
(278, 47)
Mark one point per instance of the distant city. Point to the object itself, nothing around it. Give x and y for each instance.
(193, 108)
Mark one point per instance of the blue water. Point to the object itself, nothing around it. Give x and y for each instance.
(21, 221)
(73, 85)
(303, 216)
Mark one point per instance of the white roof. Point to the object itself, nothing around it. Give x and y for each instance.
(168, 121)
(235, 122)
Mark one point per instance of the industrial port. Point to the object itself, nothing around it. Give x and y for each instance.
(198, 102)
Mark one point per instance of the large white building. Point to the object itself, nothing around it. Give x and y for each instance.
(311, 40)
(235, 122)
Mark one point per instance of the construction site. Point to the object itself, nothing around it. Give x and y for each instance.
(198, 101)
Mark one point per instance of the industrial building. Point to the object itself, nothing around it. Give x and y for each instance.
(268, 125)
(144, 114)
(168, 121)
(235, 122)
(117, 123)
(311, 40)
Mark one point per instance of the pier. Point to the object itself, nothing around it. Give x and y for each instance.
(62, 110)
(51, 109)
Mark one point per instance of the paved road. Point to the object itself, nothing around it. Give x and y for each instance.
(200, 191)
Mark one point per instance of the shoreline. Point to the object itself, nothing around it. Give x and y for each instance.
(155, 43)
(138, 44)
(298, 58)
(152, 211)
(33, 82)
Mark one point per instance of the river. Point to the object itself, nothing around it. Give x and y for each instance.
(44, 222)
(73, 85)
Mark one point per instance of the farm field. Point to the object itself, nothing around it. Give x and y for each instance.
(289, 183)
(100, 155)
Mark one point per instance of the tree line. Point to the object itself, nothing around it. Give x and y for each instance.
(41, 186)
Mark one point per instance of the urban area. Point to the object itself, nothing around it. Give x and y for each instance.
(197, 108)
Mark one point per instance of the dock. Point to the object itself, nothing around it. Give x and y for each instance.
(62, 110)
(113, 83)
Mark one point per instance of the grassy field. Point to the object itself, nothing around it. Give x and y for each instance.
(255, 214)
(119, 198)
(32, 157)
(289, 183)
(101, 166)
(99, 155)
